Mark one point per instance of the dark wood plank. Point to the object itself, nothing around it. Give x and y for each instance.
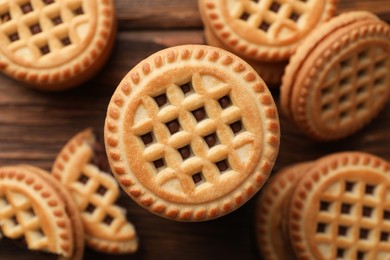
(154, 14)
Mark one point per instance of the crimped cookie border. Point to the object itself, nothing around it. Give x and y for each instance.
(304, 50)
(46, 78)
(66, 153)
(214, 20)
(284, 179)
(24, 177)
(117, 107)
(300, 115)
(321, 169)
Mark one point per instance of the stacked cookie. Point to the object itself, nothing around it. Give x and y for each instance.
(265, 33)
(334, 208)
(75, 205)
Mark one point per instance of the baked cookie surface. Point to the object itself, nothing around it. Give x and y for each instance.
(264, 30)
(340, 209)
(191, 132)
(338, 80)
(55, 44)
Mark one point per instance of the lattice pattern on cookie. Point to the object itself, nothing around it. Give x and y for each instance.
(353, 222)
(353, 86)
(199, 130)
(19, 220)
(35, 28)
(265, 14)
(96, 193)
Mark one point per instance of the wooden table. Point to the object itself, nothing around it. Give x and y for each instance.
(34, 126)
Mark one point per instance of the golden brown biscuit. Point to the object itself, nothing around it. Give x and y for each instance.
(270, 72)
(265, 30)
(54, 45)
(33, 208)
(340, 209)
(339, 78)
(192, 133)
(270, 212)
(95, 193)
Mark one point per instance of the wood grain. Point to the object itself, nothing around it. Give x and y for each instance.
(35, 125)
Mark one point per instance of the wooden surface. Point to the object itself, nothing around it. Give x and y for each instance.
(34, 126)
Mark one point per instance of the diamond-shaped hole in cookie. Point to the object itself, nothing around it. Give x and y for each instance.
(361, 90)
(324, 206)
(199, 114)
(275, 6)
(340, 252)
(90, 208)
(386, 215)
(380, 64)
(367, 211)
(345, 63)
(108, 220)
(101, 190)
(148, 138)
(66, 41)
(30, 211)
(83, 179)
(361, 106)
(48, 2)
(294, 16)
(326, 91)
(369, 189)
(344, 114)
(384, 236)
(159, 164)
(379, 82)
(321, 227)
(35, 28)
(363, 55)
(45, 49)
(344, 98)
(26, 8)
(264, 26)
(362, 73)
(173, 126)
(343, 231)
(161, 100)
(56, 20)
(225, 101)
(364, 233)
(14, 220)
(187, 88)
(344, 82)
(237, 127)
(13, 37)
(211, 140)
(5, 17)
(185, 152)
(245, 16)
(360, 255)
(346, 208)
(223, 166)
(40, 232)
(78, 11)
(198, 178)
(350, 186)
(326, 107)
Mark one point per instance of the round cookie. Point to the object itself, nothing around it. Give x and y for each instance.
(80, 167)
(192, 133)
(31, 208)
(270, 211)
(270, 72)
(338, 80)
(340, 209)
(265, 30)
(55, 45)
